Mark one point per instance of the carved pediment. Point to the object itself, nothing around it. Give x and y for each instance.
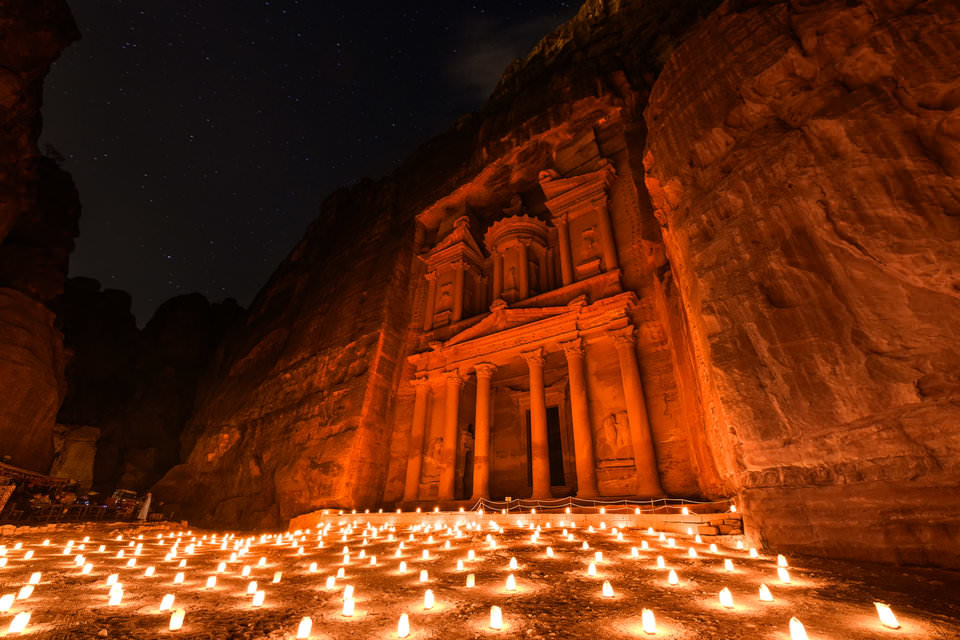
(503, 318)
(459, 244)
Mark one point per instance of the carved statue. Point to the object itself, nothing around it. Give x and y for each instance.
(613, 438)
(433, 459)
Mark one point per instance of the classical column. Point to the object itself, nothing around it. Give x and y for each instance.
(524, 284)
(648, 479)
(566, 260)
(481, 442)
(539, 447)
(450, 436)
(497, 275)
(582, 431)
(411, 486)
(458, 291)
(607, 242)
(431, 300)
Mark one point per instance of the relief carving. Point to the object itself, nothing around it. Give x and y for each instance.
(614, 448)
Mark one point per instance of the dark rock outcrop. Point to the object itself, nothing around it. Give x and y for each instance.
(38, 221)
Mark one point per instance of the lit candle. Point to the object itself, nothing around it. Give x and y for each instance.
(753, 552)
(35, 577)
(649, 622)
(644, 544)
(784, 575)
(459, 565)
(887, 618)
(149, 571)
(251, 587)
(765, 595)
(347, 607)
(607, 589)
(331, 582)
(661, 563)
(672, 578)
(25, 592)
(511, 583)
(549, 552)
(258, 598)
(246, 570)
(6, 601)
(471, 581)
(178, 579)
(167, 602)
(726, 598)
(340, 573)
(221, 567)
(782, 561)
(513, 564)
(691, 552)
(496, 617)
(728, 564)
(423, 575)
(19, 622)
(428, 599)
(176, 620)
(598, 556)
(797, 632)
(115, 596)
(634, 552)
(211, 582)
(303, 630)
(403, 627)
(592, 569)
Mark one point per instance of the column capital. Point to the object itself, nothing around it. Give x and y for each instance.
(560, 219)
(420, 381)
(485, 370)
(453, 377)
(534, 357)
(459, 265)
(625, 337)
(573, 348)
(430, 276)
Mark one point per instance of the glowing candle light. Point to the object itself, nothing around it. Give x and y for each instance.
(496, 618)
(35, 577)
(87, 568)
(549, 552)
(19, 622)
(713, 548)
(782, 561)
(728, 564)
(511, 583)
(592, 569)
(115, 597)
(331, 582)
(797, 632)
(313, 567)
(348, 606)
(166, 603)
(221, 567)
(6, 601)
(685, 511)
(403, 566)
(607, 589)
(672, 578)
(403, 626)
(471, 581)
(765, 595)
(303, 629)
(424, 576)
(513, 564)
(373, 561)
(887, 618)
(176, 620)
(598, 556)
(740, 544)
(251, 587)
(340, 573)
(259, 596)
(178, 579)
(426, 554)
(211, 582)
(25, 592)
(644, 545)
(691, 552)
(784, 575)
(585, 546)
(28, 555)
(459, 565)
(726, 598)
(753, 552)
(428, 599)
(649, 622)
(132, 562)
(262, 562)
(698, 539)
(661, 563)
(246, 570)
(149, 571)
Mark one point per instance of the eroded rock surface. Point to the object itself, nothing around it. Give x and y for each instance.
(38, 221)
(808, 183)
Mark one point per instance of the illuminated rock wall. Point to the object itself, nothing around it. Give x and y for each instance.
(38, 221)
(808, 183)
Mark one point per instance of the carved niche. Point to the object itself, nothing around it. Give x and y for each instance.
(519, 253)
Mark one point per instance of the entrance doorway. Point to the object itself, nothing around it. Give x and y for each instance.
(555, 446)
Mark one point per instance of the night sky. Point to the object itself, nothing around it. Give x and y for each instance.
(203, 134)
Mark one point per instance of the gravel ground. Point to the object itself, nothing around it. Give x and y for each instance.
(555, 598)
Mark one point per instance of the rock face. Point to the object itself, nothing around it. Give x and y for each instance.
(808, 183)
(137, 387)
(784, 201)
(38, 221)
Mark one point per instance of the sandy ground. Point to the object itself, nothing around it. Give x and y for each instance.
(555, 598)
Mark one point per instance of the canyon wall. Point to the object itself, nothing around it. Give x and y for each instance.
(786, 212)
(808, 184)
(38, 221)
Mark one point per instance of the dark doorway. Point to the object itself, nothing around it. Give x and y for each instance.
(555, 445)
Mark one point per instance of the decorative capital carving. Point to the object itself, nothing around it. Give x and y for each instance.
(459, 265)
(534, 358)
(430, 276)
(625, 337)
(420, 382)
(560, 220)
(454, 377)
(573, 348)
(485, 370)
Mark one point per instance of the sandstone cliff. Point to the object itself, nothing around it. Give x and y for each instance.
(786, 212)
(808, 183)
(38, 221)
